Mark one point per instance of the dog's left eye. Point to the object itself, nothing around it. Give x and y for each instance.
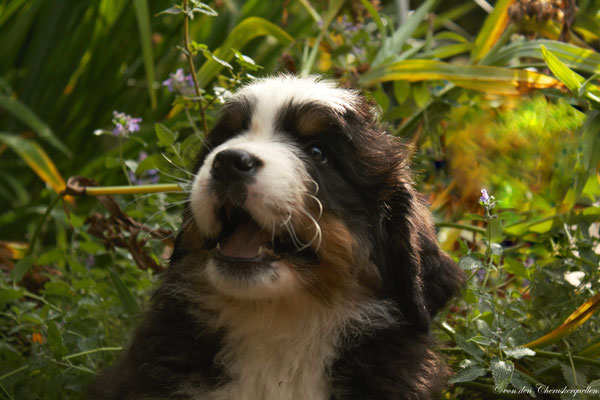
(317, 154)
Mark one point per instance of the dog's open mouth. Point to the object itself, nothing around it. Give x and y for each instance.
(242, 239)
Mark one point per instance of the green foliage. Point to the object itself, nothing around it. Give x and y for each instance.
(487, 101)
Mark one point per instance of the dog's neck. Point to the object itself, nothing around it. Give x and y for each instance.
(281, 350)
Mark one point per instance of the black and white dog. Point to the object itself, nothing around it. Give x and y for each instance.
(306, 269)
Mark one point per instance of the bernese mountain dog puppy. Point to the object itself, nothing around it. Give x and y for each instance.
(306, 268)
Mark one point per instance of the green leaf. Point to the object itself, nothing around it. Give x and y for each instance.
(421, 94)
(154, 161)
(519, 382)
(143, 19)
(244, 32)
(9, 294)
(482, 340)
(468, 374)
(199, 7)
(245, 61)
(484, 328)
(515, 267)
(590, 139)
(573, 56)
(496, 249)
(470, 262)
(171, 10)
(502, 371)
(571, 79)
(28, 117)
(519, 352)
(574, 378)
(469, 347)
(21, 268)
(166, 137)
(131, 306)
(392, 46)
(55, 340)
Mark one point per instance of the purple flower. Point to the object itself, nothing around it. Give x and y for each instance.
(485, 197)
(178, 82)
(125, 124)
(486, 200)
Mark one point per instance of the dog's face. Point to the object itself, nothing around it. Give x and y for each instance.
(298, 192)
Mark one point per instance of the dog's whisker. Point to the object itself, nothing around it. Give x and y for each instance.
(177, 166)
(316, 199)
(318, 235)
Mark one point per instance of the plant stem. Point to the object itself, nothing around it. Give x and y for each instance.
(84, 353)
(123, 166)
(188, 55)
(576, 359)
(39, 227)
(464, 227)
(135, 189)
(13, 372)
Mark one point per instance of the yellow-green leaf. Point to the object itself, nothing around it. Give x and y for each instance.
(570, 325)
(37, 159)
(488, 79)
(494, 25)
(571, 79)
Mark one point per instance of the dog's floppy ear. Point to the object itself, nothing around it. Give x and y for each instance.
(441, 276)
(418, 275)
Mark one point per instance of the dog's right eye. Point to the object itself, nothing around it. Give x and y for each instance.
(317, 154)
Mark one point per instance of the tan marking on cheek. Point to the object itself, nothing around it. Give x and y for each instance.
(344, 270)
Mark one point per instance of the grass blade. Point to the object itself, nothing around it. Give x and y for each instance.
(393, 45)
(131, 306)
(492, 29)
(143, 19)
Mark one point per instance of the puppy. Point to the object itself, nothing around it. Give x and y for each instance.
(307, 267)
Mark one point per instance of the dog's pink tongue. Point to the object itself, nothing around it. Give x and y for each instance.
(245, 241)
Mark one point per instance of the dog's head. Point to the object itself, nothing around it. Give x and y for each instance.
(298, 192)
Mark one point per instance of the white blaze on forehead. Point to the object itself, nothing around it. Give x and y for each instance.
(273, 94)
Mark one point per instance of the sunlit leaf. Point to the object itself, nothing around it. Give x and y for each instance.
(488, 79)
(502, 371)
(519, 352)
(492, 29)
(468, 374)
(37, 159)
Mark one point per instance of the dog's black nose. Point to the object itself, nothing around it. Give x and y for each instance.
(233, 164)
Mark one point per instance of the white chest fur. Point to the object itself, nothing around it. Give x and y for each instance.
(277, 352)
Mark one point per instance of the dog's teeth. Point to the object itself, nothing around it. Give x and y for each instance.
(219, 246)
(260, 250)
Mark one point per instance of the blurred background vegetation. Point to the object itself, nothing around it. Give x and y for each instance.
(500, 96)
